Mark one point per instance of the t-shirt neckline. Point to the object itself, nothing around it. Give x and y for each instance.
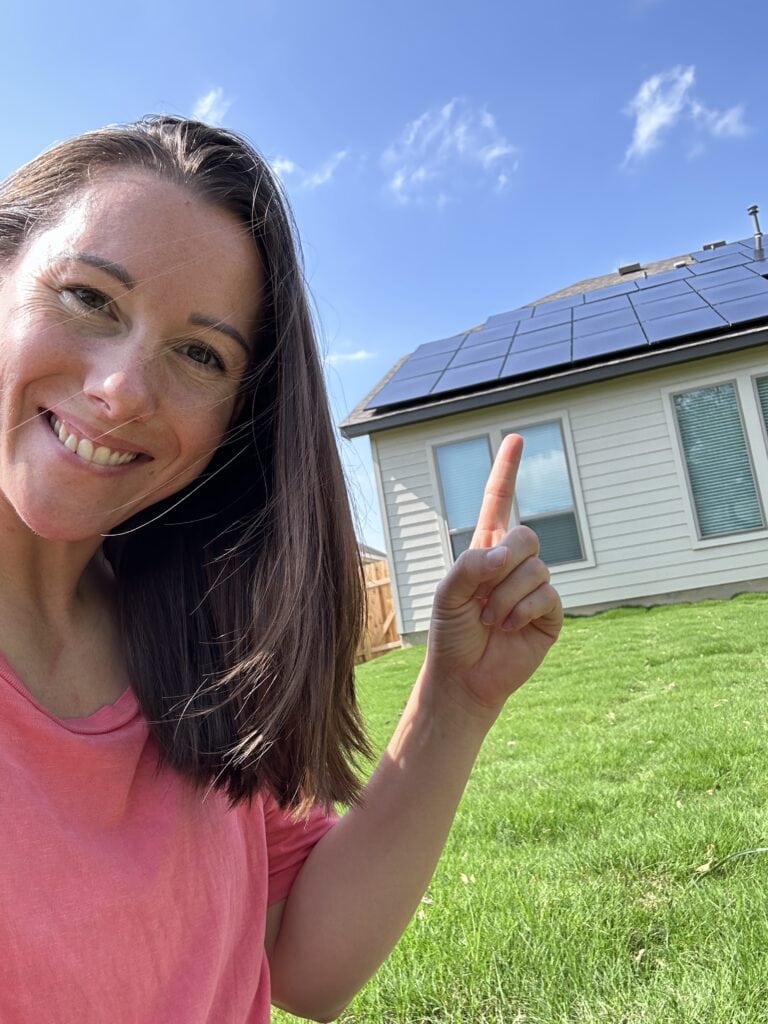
(105, 719)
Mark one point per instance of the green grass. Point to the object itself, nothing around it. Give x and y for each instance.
(568, 890)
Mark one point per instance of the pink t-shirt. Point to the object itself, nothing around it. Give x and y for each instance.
(125, 896)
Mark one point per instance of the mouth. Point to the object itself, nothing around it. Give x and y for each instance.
(85, 449)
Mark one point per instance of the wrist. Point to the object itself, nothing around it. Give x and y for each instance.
(447, 701)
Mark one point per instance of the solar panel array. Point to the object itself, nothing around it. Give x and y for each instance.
(723, 288)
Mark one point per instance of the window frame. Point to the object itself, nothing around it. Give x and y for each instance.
(749, 412)
(494, 433)
(569, 460)
(446, 531)
(762, 420)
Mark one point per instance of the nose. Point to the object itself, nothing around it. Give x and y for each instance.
(124, 387)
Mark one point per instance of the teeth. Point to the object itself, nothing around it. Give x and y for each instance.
(100, 456)
(86, 450)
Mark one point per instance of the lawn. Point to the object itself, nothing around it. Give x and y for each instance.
(591, 873)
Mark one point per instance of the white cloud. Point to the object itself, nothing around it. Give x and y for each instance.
(722, 124)
(658, 104)
(664, 100)
(325, 173)
(336, 358)
(212, 108)
(447, 149)
(282, 166)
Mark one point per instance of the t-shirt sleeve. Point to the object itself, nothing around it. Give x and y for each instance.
(289, 843)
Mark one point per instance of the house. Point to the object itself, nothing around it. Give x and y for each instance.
(642, 397)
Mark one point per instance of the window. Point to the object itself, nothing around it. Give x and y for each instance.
(463, 469)
(717, 460)
(545, 496)
(762, 397)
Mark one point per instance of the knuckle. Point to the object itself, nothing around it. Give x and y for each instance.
(528, 539)
(462, 563)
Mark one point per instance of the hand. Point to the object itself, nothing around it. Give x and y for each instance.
(495, 614)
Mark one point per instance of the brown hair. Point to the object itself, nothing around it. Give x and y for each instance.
(241, 605)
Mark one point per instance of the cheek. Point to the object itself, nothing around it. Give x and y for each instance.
(200, 434)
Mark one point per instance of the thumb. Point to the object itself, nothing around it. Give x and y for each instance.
(470, 570)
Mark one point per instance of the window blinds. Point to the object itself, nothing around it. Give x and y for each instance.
(718, 462)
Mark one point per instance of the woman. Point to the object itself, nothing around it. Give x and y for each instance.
(180, 608)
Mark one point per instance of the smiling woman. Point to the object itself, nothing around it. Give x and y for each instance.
(180, 607)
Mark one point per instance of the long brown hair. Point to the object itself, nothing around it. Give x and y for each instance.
(240, 597)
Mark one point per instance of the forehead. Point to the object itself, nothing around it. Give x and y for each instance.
(162, 233)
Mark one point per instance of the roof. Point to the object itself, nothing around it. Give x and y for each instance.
(596, 329)
(369, 554)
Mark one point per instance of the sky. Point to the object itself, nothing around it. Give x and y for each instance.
(445, 161)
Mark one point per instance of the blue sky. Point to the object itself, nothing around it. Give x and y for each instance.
(445, 161)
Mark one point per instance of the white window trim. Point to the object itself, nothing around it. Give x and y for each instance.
(746, 393)
(437, 488)
(582, 521)
(761, 459)
(495, 434)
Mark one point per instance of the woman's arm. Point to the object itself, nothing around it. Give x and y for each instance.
(363, 881)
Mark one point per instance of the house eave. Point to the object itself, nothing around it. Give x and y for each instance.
(670, 355)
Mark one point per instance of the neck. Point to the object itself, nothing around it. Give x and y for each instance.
(52, 580)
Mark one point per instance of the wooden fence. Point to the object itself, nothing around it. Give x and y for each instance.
(381, 630)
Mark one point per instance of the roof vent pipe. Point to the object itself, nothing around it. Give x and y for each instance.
(759, 251)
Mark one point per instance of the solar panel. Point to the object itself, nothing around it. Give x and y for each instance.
(514, 314)
(663, 291)
(544, 319)
(404, 390)
(464, 376)
(674, 304)
(483, 336)
(740, 311)
(419, 367)
(704, 281)
(737, 290)
(446, 345)
(608, 292)
(679, 324)
(758, 267)
(725, 288)
(552, 356)
(704, 255)
(555, 305)
(479, 353)
(604, 342)
(733, 259)
(677, 274)
(606, 322)
(604, 306)
(539, 339)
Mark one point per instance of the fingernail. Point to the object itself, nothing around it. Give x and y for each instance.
(487, 617)
(496, 557)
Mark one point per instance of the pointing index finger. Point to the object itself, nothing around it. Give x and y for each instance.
(493, 521)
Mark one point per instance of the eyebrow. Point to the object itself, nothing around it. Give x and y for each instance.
(121, 274)
(198, 320)
(113, 269)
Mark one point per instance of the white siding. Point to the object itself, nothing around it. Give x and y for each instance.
(627, 470)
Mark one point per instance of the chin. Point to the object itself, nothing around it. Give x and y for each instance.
(59, 527)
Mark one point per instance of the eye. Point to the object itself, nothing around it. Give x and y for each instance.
(89, 299)
(204, 355)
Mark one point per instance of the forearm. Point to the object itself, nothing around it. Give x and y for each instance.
(362, 883)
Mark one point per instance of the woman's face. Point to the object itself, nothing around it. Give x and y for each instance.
(124, 334)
